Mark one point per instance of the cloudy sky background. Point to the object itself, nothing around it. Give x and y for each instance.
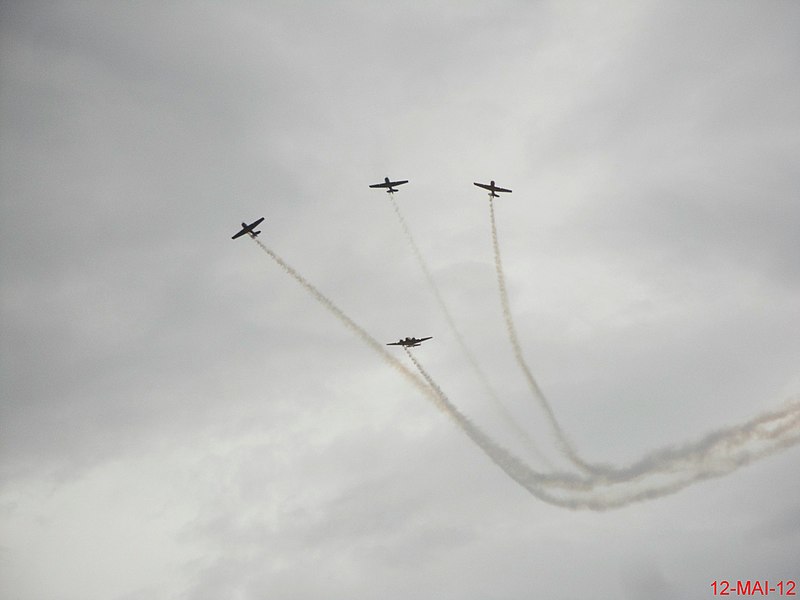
(180, 419)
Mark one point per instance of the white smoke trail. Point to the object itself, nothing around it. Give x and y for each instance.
(533, 481)
(728, 441)
(716, 454)
(350, 324)
(563, 442)
(684, 460)
(494, 451)
(502, 410)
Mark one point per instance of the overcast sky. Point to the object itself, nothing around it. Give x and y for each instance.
(181, 419)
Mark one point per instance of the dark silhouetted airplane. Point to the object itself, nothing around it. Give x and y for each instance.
(389, 185)
(492, 188)
(409, 342)
(249, 229)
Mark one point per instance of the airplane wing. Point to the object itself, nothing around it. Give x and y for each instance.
(395, 344)
(423, 339)
(240, 234)
(255, 224)
(388, 184)
(491, 188)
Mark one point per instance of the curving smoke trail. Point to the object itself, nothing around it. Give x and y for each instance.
(503, 411)
(718, 454)
(671, 469)
(714, 455)
(659, 462)
(562, 440)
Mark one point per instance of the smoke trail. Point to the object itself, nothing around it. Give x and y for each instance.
(533, 481)
(355, 328)
(563, 442)
(665, 461)
(717, 455)
(724, 444)
(437, 294)
(495, 452)
(503, 411)
(714, 455)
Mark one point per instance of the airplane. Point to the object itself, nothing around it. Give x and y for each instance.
(249, 229)
(409, 342)
(389, 185)
(492, 188)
